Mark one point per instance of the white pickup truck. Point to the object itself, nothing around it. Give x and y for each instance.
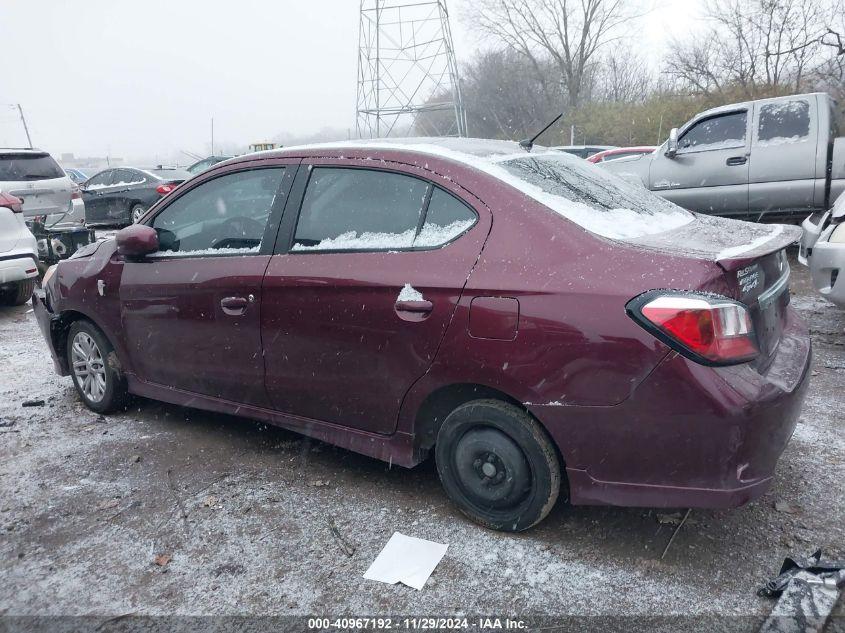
(772, 159)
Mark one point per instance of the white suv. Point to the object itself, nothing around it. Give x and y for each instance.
(45, 189)
(18, 254)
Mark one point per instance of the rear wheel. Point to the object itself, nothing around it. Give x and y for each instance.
(137, 213)
(18, 293)
(498, 465)
(91, 360)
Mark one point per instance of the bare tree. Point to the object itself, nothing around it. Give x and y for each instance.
(754, 47)
(569, 33)
(623, 78)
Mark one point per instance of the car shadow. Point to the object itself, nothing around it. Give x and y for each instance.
(637, 535)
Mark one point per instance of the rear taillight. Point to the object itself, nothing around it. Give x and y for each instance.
(74, 193)
(165, 189)
(11, 202)
(711, 330)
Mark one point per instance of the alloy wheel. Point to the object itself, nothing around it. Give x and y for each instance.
(89, 367)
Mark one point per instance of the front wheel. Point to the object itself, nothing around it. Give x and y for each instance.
(137, 213)
(92, 363)
(498, 465)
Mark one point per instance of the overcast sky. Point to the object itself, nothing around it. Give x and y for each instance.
(143, 78)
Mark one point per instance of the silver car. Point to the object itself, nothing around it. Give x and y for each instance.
(823, 250)
(33, 176)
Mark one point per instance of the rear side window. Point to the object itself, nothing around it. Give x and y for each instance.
(359, 209)
(368, 210)
(719, 132)
(17, 167)
(784, 122)
(128, 177)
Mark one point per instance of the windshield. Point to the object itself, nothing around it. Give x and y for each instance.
(598, 201)
(19, 167)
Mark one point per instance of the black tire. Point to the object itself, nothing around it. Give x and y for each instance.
(18, 293)
(486, 435)
(136, 212)
(114, 395)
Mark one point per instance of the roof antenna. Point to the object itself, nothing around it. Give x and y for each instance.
(528, 143)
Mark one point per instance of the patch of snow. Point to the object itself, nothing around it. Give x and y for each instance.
(435, 235)
(205, 252)
(734, 251)
(116, 184)
(365, 241)
(783, 140)
(409, 293)
(431, 235)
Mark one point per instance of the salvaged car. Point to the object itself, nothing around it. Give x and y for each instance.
(823, 250)
(542, 327)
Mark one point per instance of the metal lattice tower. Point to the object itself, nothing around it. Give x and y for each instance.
(407, 68)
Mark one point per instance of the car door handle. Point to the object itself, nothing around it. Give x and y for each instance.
(234, 306)
(417, 307)
(734, 161)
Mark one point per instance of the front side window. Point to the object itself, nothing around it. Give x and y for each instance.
(224, 216)
(719, 132)
(784, 122)
(362, 209)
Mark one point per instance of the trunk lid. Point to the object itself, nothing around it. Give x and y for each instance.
(753, 262)
(42, 197)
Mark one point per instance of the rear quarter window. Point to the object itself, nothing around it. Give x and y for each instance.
(784, 122)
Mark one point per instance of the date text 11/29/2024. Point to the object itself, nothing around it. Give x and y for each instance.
(417, 624)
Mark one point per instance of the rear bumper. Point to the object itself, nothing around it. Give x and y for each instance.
(17, 266)
(689, 436)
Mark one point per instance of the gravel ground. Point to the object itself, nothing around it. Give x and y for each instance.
(241, 514)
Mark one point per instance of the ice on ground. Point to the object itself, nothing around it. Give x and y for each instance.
(409, 293)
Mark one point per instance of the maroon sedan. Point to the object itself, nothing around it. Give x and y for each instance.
(544, 328)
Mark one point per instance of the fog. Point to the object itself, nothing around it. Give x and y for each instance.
(143, 79)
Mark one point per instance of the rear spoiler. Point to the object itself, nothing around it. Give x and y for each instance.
(781, 236)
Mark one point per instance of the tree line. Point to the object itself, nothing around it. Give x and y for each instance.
(576, 56)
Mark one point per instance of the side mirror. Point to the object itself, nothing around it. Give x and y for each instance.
(137, 240)
(672, 146)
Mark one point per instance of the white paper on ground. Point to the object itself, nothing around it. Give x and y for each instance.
(407, 560)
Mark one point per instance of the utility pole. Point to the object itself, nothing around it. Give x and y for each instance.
(212, 136)
(25, 128)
